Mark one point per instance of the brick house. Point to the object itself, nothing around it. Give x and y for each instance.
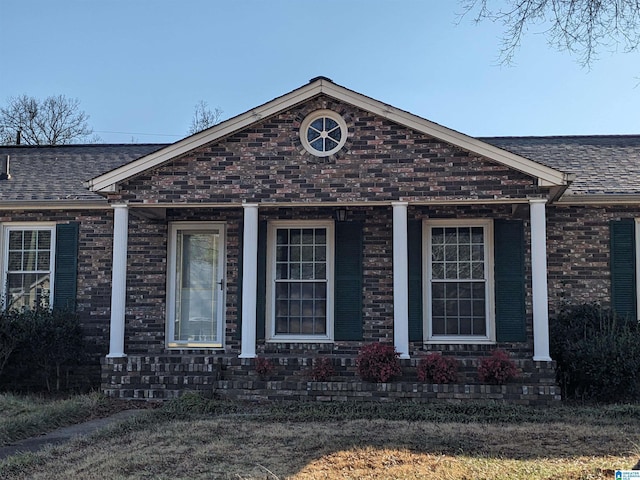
(311, 225)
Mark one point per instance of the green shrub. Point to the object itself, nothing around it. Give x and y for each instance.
(48, 343)
(597, 353)
(10, 336)
(378, 363)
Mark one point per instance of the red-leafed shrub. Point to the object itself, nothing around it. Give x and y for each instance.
(497, 369)
(434, 368)
(378, 363)
(322, 370)
(264, 367)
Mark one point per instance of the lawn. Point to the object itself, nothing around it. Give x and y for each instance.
(26, 416)
(199, 439)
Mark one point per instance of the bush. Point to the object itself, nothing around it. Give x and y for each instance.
(48, 343)
(497, 369)
(597, 353)
(378, 363)
(322, 370)
(264, 367)
(10, 336)
(435, 368)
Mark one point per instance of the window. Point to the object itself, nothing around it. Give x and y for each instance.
(28, 261)
(323, 133)
(301, 283)
(459, 284)
(195, 303)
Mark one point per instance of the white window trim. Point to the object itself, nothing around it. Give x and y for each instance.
(4, 259)
(271, 276)
(637, 247)
(489, 275)
(171, 284)
(309, 119)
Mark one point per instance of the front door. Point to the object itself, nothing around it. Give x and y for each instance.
(196, 284)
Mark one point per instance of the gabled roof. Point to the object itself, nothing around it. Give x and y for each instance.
(603, 165)
(56, 173)
(547, 176)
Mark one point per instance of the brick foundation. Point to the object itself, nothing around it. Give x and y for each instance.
(169, 376)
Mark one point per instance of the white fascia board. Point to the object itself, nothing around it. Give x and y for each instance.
(334, 204)
(108, 182)
(43, 205)
(546, 176)
(600, 199)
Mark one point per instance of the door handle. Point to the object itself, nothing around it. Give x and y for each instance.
(221, 283)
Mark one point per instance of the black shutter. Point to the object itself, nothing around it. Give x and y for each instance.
(261, 293)
(509, 280)
(66, 266)
(623, 267)
(348, 281)
(415, 280)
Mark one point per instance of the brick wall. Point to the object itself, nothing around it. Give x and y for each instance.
(165, 377)
(578, 259)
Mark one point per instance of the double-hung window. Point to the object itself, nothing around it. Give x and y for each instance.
(300, 280)
(459, 280)
(195, 293)
(27, 265)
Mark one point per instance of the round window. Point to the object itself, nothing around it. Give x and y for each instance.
(323, 133)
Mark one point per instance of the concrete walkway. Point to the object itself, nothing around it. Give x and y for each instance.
(64, 434)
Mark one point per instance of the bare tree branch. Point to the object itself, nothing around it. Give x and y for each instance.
(56, 120)
(582, 27)
(203, 117)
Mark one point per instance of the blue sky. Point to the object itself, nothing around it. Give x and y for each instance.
(140, 66)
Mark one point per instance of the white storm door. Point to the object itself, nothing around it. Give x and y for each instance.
(196, 286)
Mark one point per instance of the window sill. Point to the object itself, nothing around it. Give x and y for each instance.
(194, 346)
(459, 341)
(290, 339)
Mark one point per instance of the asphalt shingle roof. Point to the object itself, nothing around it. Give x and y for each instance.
(603, 165)
(58, 172)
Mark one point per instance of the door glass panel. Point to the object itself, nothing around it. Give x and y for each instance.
(197, 287)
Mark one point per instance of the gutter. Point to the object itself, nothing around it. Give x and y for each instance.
(54, 205)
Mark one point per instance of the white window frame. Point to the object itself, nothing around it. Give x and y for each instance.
(272, 228)
(172, 256)
(4, 248)
(313, 116)
(487, 224)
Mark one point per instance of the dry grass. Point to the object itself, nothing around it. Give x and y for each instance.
(246, 447)
(27, 416)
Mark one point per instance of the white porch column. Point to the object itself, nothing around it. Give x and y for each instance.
(400, 279)
(249, 280)
(118, 280)
(539, 280)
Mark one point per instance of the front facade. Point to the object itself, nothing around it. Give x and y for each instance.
(312, 225)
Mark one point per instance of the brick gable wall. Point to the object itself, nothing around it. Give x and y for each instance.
(381, 161)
